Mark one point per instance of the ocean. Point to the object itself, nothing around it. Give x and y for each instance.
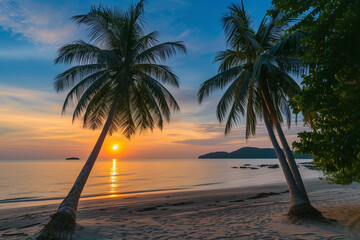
(38, 182)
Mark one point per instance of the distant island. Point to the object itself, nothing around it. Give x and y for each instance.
(72, 158)
(250, 152)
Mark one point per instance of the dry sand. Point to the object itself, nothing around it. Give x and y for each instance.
(210, 214)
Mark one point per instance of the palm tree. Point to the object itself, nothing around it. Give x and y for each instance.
(116, 82)
(256, 67)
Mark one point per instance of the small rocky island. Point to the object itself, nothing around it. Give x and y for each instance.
(72, 158)
(250, 152)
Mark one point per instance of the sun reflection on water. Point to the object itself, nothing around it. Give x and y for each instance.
(113, 178)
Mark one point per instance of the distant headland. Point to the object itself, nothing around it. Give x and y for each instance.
(250, 152)
(72, 158)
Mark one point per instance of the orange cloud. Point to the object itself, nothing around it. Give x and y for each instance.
(31, 127)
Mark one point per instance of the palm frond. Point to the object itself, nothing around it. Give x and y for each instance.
(161, 52)
(294, 66)
(154, 105)
(146, 42)
(162, 95)
(238, 108)
(161, 72)
(71, 76)
(250, 124)
(289, 46)
(237, 29)
(141, 109)
(88, 95)
(97, 109)
(229, 59)
(98, 23)
(219, 81)
(79, 88)
(78, 52)
(235, 92)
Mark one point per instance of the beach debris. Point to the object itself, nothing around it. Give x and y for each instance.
(306, 163)
(263, 165)
(246, 166)
(269, 165)
(148, 209)
(249, 166)
(30, 225)
(72, 158)
(309, 165)
(11, 234)
(264, 195)
(181, 203)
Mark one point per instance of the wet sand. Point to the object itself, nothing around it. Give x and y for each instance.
(239, 213)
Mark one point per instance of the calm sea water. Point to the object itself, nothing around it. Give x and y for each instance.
(38, 182)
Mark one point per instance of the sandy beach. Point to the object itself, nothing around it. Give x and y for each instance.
(239, 213)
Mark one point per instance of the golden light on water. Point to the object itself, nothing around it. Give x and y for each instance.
(113, 178)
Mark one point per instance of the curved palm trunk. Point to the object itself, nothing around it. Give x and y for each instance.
(296, 198)
(292, 163)
(300, 206)
(62, 223)
(289, 156)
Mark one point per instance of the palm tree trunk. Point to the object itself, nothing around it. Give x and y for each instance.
(300, 206)
(296, 198)
(306, 210)
(292, 163)
(62, 223)
(289, 156)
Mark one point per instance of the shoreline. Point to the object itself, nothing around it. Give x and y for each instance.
(21, 202)
(240, 213)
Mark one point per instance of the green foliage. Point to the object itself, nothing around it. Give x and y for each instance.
(330, 99)
(255, 69)
(118, 67)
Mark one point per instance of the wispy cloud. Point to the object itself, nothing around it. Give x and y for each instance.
(32, 127)
(36, 22)
(27, 52)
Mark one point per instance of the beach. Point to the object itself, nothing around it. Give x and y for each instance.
(257, 212)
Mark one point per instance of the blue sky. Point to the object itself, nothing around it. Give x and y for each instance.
(32, 31)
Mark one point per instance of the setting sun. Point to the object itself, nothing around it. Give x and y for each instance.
(115, 147)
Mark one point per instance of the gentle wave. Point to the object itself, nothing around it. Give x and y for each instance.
(208, 184)
(32, 199)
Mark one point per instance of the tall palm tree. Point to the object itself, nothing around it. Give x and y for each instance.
(116, 82)
(256, 67)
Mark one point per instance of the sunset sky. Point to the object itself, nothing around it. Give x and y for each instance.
(31, 125)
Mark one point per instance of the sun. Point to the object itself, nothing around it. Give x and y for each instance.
(115, 147)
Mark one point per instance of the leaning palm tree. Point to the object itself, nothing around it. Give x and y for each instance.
(256, 66)
(117, 84)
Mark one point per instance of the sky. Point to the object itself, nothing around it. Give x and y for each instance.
(31, 124)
